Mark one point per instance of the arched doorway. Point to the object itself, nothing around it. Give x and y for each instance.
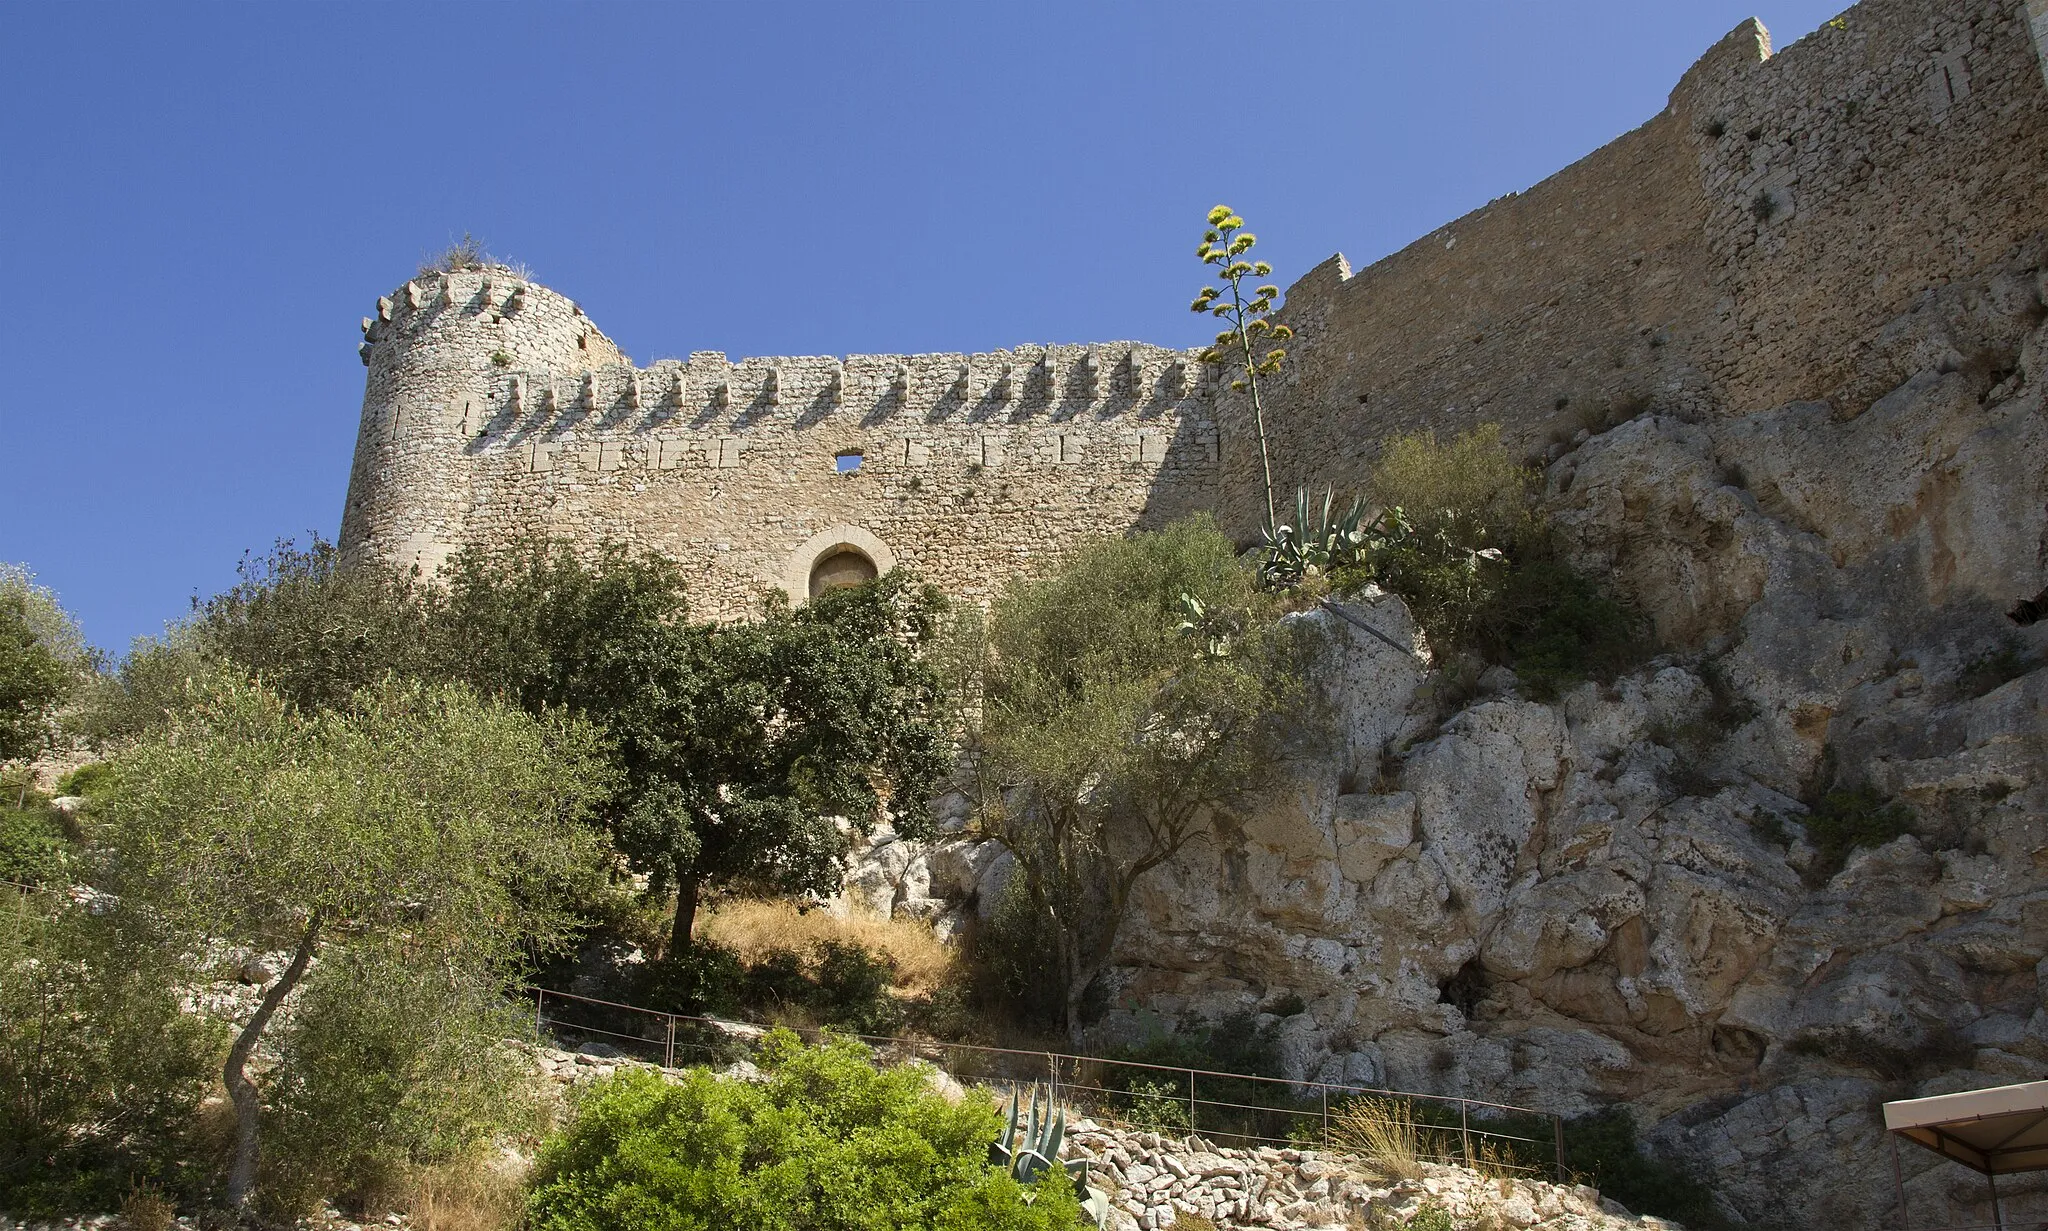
(841, 556)
(848, 566)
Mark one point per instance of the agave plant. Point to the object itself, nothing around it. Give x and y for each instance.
(1320, 540)
(1034, 1151)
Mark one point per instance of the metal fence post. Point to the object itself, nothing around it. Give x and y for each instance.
(1465, 1129)
(1326, 1117)
(1191, 1102)
(1557, 1133)
(671, 1049)
(540, 998)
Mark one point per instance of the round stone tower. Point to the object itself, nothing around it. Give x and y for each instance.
(449, 354)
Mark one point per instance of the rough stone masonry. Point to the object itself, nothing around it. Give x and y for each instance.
(1782, 352)
(1741, 249)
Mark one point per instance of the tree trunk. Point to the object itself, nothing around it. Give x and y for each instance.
(247, 1100)
(680, 939)
(1077, 986)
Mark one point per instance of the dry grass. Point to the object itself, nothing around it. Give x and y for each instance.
(755, 928)
(467, 1194)
(1384, 1133)
(146, 1209)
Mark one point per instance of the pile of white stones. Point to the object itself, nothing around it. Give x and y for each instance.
(1158, 1182)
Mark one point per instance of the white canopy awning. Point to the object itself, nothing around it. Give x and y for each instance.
(1996, 1131)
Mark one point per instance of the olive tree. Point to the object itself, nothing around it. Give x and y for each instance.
(100, 1068)
(419, 820)
(737, 744)
(43, 660)
(311, 630)
(1124, 699)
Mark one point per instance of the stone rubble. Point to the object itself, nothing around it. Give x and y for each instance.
(1156, 1182)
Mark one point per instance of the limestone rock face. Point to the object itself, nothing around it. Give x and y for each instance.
(1615, 897)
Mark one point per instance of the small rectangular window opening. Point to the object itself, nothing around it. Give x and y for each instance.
(847, 463)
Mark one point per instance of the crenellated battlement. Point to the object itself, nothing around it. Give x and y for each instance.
(494, 407)
(1740, 249)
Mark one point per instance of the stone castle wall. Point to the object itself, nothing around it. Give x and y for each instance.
(1740, 250)
(496, 410)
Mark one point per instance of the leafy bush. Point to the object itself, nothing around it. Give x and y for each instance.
(100, 1071)
(1432, 1216)
(831, 982)
(827, 1141)
(1468, 488)
(1844, 820)
(43, 660)
(33, 848)
(1015, 965)
(1556, 627)
(1234, 1044)
(387, 1067)
(1602, 1149)
(853, 989)
(1124, 697)
(1159, 1106)
(1460, 540)
(87, 779)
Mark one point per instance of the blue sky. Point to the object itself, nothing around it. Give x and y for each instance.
(199, 202)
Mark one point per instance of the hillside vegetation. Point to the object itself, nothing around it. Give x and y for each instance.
(263, 950)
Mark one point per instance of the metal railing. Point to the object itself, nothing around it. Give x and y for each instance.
(1233, 1108)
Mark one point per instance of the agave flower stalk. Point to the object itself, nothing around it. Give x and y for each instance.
(1255, 337)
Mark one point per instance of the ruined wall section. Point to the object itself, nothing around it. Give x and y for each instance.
(1900, 148)
(1537, 309)
(1741, 250)
(970, 467)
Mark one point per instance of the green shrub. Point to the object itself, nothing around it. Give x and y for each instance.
(853, 989)
(1432, 1216)
(1234, 1044)
(1481, 571)
(708, 980)
(43, 661)
(1015, 965)
(1556, 627)
(33, 849)
(387, 1067)
(1160, 1106)
(91, 777)
(827, 1141)
(837, 984)
(1602, 1149)
(101, 1073)
(1469, 487)
(1844, 820)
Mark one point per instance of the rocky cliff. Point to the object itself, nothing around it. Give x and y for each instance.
(1625, 895)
